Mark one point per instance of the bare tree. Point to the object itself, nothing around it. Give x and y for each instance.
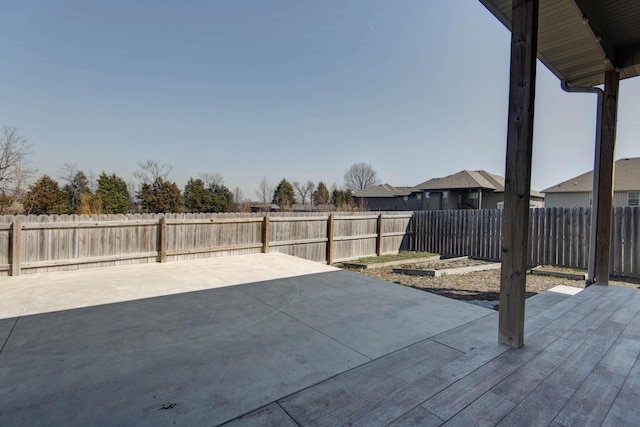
(238, 197)
(69, 170)
(360, 176)
(14, 166)
(131, 189)
(23, 175)
(212, 179)
(91, 176)
(264, 191)
(303, 190)
(77, 183)
(150, 171)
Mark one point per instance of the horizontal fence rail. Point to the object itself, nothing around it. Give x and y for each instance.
(557, 236)
(30, 244)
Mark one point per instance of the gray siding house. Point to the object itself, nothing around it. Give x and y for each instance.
(384, 198)
(462, 190)
(576, 192)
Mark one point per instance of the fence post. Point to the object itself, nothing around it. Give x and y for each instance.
(265, 234)
(330, 239)
(16, 240)
(379, 242)
(163, 239)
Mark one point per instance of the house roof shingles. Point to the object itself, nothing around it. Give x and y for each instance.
(626, 178)
(464, 179)
(383, 190)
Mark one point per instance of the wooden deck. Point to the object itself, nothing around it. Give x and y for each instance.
(579, 366)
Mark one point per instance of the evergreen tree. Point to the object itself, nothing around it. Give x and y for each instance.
(197, 199)
(45, 197)
(321, 196)
(222, 197)
(284, 196)
(215, 198)
(160, 196)
(113, 194)
(341, 197)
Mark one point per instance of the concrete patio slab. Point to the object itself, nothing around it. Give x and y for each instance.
(360, 314)
(160, 344)
(64, 290)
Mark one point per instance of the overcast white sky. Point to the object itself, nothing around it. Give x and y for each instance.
(284, 89)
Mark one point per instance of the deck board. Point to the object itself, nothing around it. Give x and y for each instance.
(579, 366)
(540, 407)
(483, 410)
(626, 407)
(271, 415)
(417, 417)
(345, 395)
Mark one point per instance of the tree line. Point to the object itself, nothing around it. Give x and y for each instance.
(154, 192)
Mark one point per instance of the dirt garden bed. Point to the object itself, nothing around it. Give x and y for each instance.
(390, 260)
(452, 266)
(566, 273)
(482, 285)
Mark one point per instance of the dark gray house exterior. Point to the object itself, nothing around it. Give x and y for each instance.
(384, 198)
(462, 190)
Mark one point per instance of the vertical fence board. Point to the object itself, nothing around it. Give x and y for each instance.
(635, 252)
(16, 246)
(615, 254)
(533, 234)
(626, 242)
(566, 232)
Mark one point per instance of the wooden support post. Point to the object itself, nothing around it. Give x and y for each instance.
(379, 241)
(265, 234)
(163, 239)
(330, 239)
(16, 243)
(515, 225)
(604, 202)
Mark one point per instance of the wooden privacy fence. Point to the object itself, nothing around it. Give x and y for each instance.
(63, 242)
(557, 236)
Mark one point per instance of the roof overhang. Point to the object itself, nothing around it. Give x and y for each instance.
(578, 40)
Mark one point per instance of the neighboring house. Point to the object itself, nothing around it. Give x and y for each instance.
(384, 198)
(308, 207)
(462, 190)
(577, 192)
(265, 207)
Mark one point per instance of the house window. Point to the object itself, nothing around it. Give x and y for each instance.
(406, 200)
(445, 198)
(590, 199)
(419, 198)
(474, 197)
(633, 198)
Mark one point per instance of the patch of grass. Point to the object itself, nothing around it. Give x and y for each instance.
(393, 257)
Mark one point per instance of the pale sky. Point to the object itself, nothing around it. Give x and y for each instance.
(295, 89)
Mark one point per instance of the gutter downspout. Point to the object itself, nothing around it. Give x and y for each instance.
(596, 173)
